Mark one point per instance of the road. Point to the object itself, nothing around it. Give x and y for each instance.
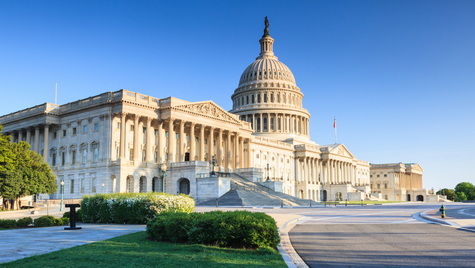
(382, 236)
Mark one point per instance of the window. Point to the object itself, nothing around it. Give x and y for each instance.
(132, 127)
(385, 175)
(71, 186)
(93, 183)
(131, 154)
(144, 153)
(63, 158)
(95, 151)
(73, 157)
(74, 131)
(83, 182)
(64, 132)
(96, 127)
(53, 159)
(83, 153)
(84, 129)
(118, 125)
(54, 135)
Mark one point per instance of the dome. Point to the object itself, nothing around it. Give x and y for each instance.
(267, 68)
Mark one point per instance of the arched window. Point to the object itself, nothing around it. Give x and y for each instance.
(95, 151)
(143, 184)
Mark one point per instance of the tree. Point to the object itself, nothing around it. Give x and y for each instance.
(22, 172)
(467, 189)
(450, 193)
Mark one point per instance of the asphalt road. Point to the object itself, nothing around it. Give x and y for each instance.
(384, 236)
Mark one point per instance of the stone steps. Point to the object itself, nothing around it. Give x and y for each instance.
(247, 193)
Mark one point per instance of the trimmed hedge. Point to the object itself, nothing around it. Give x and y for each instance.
(7, 224)
(232, 229)
(24, 222)
(47, 221)
(132, 208)
(78, 215)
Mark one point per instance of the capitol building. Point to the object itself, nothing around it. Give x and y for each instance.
(124, 141)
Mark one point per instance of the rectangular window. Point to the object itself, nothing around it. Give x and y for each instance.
(131, 155)
(95, 154)
(155, 157)
(155, 131)
(132, 127)
(144, 153)
(118, 125)
(84, 129)
(64, 132)
(71, 186)
(83, 186)
(53, 160)
(84, 157)
(96, 126)
(74, 131)
(93, 183)
(117, 152)
(63, 158)
(73, 157)
(54, 135)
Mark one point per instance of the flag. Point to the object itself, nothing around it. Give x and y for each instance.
(334, 123)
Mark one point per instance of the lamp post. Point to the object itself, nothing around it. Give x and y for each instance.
(213, 163)
(103, 187)
(163, 167)
(62, 194)
(268, 171)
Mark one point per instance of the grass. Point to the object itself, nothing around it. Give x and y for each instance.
(358, 202)
(134, 250)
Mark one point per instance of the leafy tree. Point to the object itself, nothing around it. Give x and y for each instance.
(22, 172)
(461, 197)
(467, 189)
(450, 193)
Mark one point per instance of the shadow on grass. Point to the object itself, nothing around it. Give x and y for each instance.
(135, 250)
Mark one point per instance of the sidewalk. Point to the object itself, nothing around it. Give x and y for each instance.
(434, 215)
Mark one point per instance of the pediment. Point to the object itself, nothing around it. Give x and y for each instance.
(341, 150)
(210, 109)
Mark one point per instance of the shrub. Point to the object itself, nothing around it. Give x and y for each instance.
(78, 215)
(7, 224)
(135, 208)
(45, 221)
(234, 229)
(24, 222)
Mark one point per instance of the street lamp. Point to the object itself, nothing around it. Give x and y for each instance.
(103, 187)
(268, 172)
(62, 194)
(163, 167)
(213, 163)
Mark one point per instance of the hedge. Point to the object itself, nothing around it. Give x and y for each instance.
(232, 229)
(132, 208)
(47, 221)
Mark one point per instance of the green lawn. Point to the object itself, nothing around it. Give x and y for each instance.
(134, 250)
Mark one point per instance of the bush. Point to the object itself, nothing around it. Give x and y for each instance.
(78, 215)
(24, 222)
(234, 229)
(45, 221)
(134, 208)
(7, 224)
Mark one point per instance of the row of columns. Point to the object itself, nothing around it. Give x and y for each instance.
(234, 154)
(271, 97)
(17, 135)
(278, 122)
(318, 171)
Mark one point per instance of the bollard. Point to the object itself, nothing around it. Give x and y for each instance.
(72, 217)
(310, 203)
(346, 202)
(217, 202)
(281, 203)
(442, 211)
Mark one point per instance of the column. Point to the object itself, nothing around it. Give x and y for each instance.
(45, 143)
(20, 135)
(28, 136)
(219, 147)
(202, 143)
(37, 138)
(236, 151)
(161, 143)
(181, 142)
(123, 121)
(171, 141)
(261, 123)
(136, 139)
(248, 160)
(228, 154)
(192, 142)
(254, 124)
(210, 143)
(148, 144)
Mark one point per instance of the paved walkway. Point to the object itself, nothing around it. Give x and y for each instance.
(33, 241)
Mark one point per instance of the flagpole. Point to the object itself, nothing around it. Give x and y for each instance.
(334, 129)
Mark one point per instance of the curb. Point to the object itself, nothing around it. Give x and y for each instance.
(440, 221)
(290, 256)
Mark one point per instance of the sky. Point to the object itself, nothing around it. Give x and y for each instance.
(398, 75)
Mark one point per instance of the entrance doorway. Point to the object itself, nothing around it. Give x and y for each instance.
(184, 186)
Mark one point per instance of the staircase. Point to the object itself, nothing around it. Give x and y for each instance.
(247, 193)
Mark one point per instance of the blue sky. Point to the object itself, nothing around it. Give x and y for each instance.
(398, 75)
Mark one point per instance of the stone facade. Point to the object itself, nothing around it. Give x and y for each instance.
(125, 141)
(400, 182)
